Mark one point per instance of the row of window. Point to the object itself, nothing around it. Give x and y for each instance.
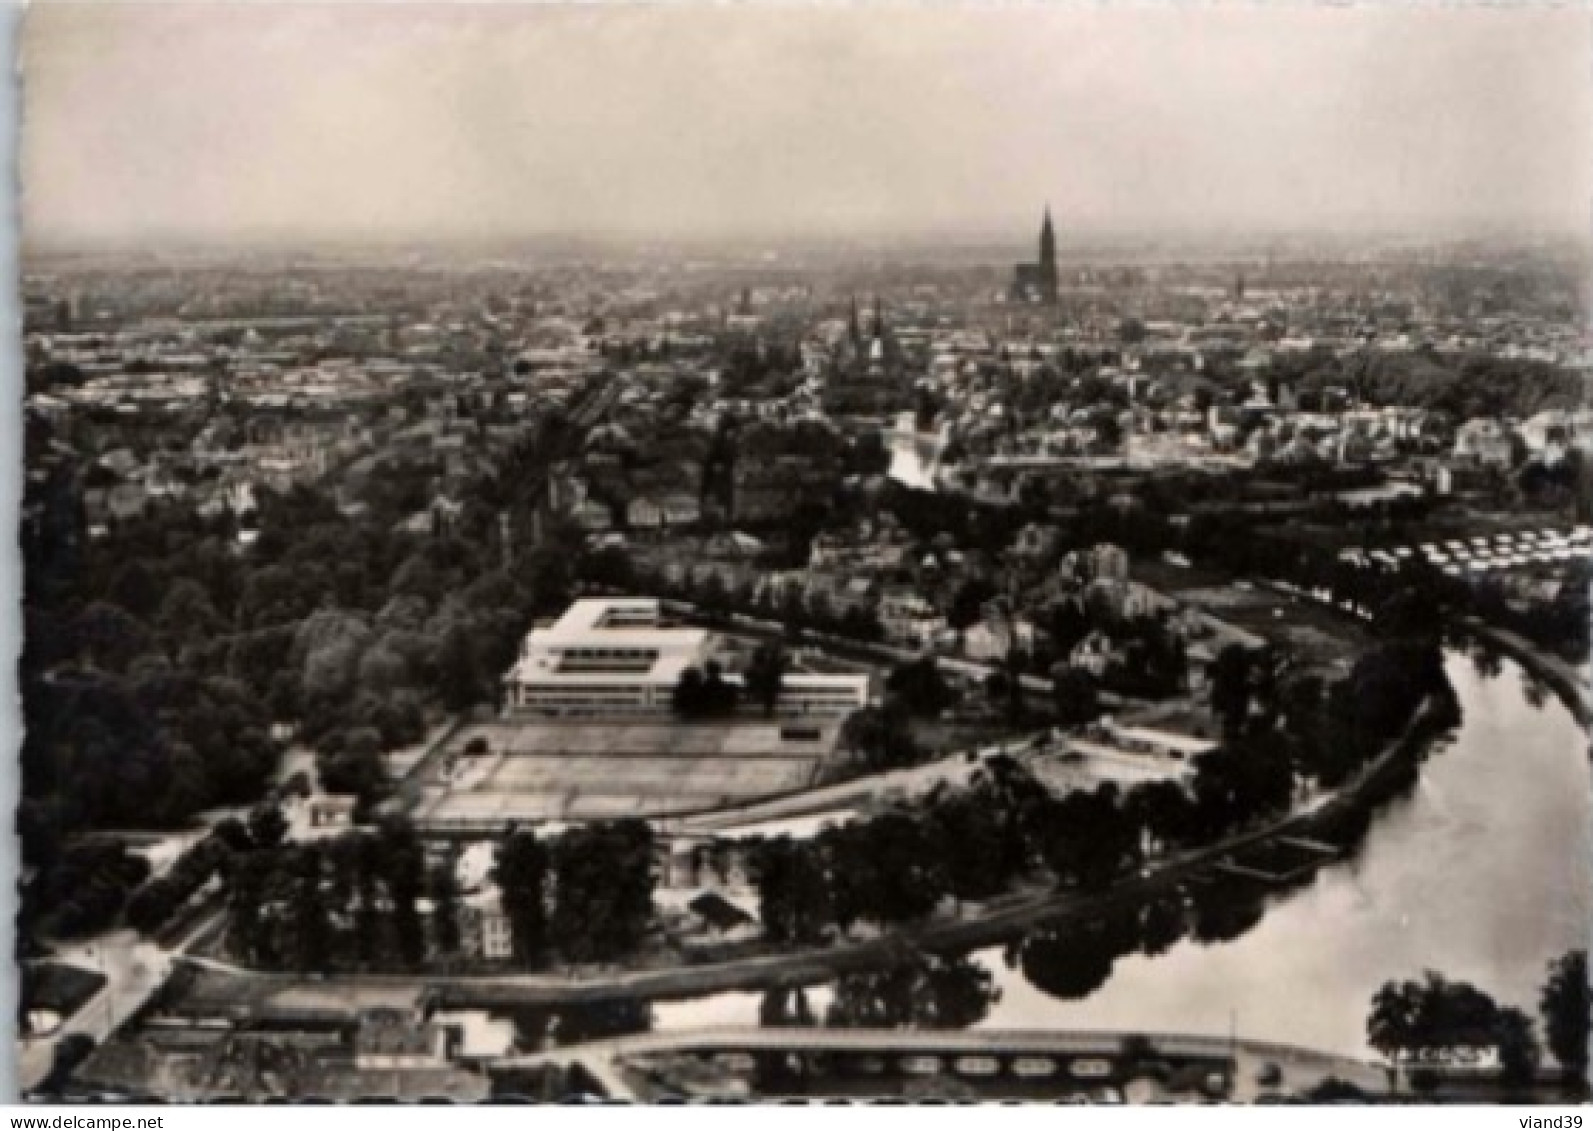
(582, 701)
(629, 618)
(622, 667)
(609, 653)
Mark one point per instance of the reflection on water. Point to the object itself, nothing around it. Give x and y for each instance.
(1072, 960)
(1480, 869)
(786, 1008)
(1162, 923)
(1223, 913)
(917, 992)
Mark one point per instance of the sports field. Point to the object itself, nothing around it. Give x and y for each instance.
(592, 770)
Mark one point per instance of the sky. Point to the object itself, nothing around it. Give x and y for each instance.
(209, 121)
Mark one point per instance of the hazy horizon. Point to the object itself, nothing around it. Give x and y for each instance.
(193, 125)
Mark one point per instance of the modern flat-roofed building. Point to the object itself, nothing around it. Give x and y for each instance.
(616, 657)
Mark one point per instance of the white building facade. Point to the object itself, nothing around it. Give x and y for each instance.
(617, 657)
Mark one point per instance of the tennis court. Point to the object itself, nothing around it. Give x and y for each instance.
(587, 771)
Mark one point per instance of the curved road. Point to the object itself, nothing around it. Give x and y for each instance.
(1011, 915)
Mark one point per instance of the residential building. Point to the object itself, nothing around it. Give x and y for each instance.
(654, 513)
(484, 928)
(1484, 441)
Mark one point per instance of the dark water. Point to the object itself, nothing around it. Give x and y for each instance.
(1481, 871)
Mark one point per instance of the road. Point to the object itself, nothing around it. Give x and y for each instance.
(134, 969)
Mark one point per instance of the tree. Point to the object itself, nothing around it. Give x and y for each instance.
(136, 589)
(267, 826)
(603, 880)
(445, 907)
(919, 687)
(309, 925)
(109, 636)
(972, 837)
(403, 871)
(1254, 774)
(1518, 1048)
(186, 612)
(967, 606)
(521, 873)
(459, 670)
(1089, 839)
(350, 762)
(1425, 1081)
(1108, 431)
(1162, 809)
(687, 698)
(1410, 614)
(718, 694)
(889, 869)
(793, 891)
(368, 860)
(765, 675)
(1073, 695)
(1566, 1009)
(245, 925)
(1024, 806)
(880, 738)
(1334, 1090)
(1230, 687)
(1434, 1013)
(231, 832)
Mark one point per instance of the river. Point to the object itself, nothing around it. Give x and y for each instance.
(911, 464)
(1482, 872)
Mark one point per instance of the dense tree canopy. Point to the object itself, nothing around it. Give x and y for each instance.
(1567, 1008)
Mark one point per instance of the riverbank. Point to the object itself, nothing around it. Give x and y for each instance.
(818, 966)
(1561, 676)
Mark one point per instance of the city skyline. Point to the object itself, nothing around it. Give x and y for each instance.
(309, 122)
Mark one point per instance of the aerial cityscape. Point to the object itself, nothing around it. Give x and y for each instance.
(719, 596)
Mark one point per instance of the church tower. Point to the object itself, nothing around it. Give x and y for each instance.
(1047, 260)
(1037, 282)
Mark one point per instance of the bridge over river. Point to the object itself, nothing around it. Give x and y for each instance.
(1054, 1062)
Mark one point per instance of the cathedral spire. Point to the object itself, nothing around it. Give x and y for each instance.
(1047, 260)
(1037, 281)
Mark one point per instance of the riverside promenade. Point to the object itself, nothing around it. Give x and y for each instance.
(999, 920)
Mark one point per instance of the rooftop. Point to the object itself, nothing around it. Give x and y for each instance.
(616, 622)
(611, 641)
